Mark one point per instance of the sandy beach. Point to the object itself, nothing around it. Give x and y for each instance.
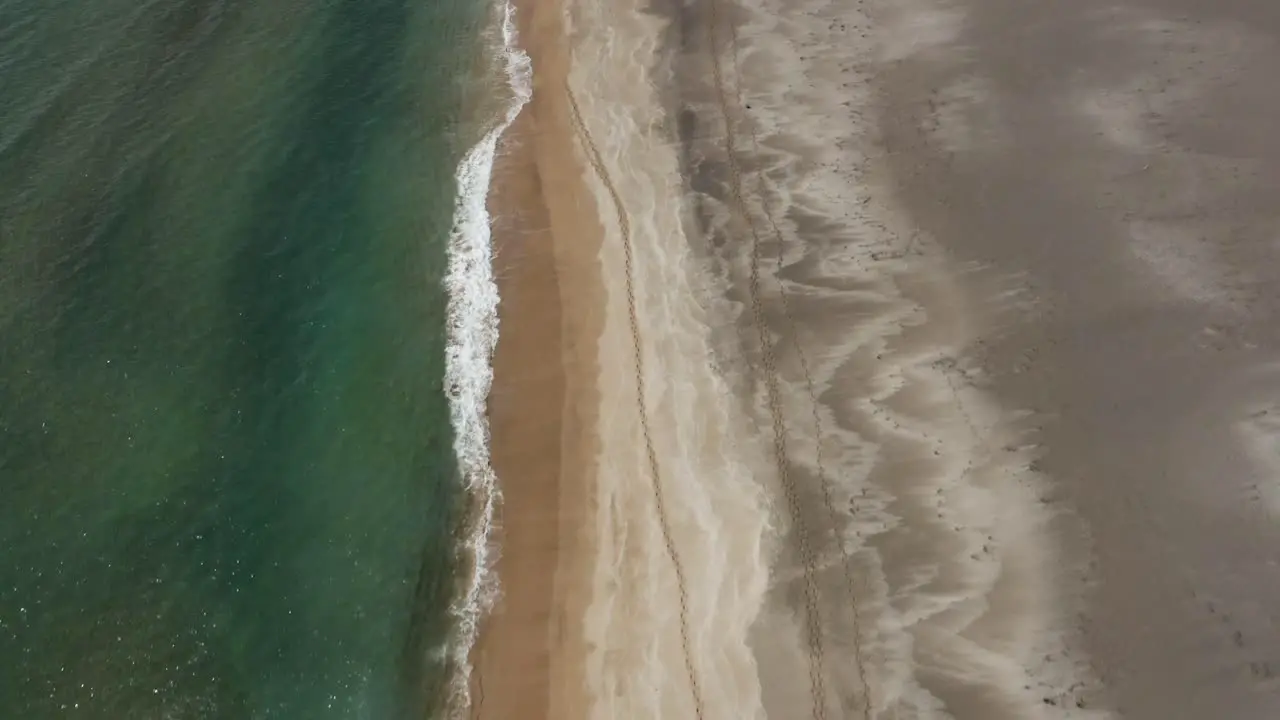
(886, 360)
(659, 640)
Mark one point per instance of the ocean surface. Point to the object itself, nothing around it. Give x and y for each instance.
(227, 458)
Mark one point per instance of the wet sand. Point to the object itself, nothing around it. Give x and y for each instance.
(542, 409)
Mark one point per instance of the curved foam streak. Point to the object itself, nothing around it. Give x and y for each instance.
(472, 338)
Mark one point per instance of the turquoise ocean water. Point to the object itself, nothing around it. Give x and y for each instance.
(228, 482)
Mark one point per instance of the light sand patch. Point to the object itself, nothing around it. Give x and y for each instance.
(680, 571)
(966, 118)
(1181, 261)
(912, 28)
(1259, 434)
(1119, 114)
(1169, 194)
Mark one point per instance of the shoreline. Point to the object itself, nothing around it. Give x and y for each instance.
(528, 661)
(630, 533)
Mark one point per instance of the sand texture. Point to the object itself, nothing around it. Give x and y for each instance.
(543, 407)
(889, 360)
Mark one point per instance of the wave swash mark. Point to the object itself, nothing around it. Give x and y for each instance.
(597, 164)
(813, 621)
(824, 479)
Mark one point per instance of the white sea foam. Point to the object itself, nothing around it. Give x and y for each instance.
(472, 337)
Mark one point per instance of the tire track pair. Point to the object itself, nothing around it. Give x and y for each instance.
(824, 479)
(813, 619)
(624, 224)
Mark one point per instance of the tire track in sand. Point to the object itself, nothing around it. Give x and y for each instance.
(813, 619)
(624, 224)
(824, 479)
